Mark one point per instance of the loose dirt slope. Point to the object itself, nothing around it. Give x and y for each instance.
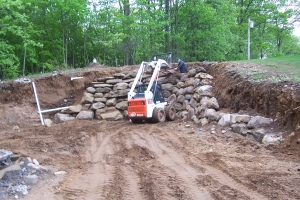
(121, 160)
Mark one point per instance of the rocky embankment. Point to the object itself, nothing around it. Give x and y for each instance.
(106, 99)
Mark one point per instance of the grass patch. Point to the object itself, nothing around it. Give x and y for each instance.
(285, 68)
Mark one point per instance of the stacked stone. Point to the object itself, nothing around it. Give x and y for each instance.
(107, 100)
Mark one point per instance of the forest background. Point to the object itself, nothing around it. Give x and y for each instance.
(46, 35)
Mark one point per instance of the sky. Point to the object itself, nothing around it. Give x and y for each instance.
(297, 30)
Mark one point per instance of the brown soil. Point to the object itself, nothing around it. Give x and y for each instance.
(171, 160)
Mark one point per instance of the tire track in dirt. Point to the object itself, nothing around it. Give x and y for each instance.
(224, 184)
(95, 180)
(146, 161)
(168, 156)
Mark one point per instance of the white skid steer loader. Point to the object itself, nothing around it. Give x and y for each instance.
(148, 102)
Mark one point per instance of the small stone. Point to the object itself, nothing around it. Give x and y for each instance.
(60, 173)
(298, 141)
(27, 161)
(31, 179)
(35, 162)
(223, 131)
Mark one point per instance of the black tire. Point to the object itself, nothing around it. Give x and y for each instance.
(136, 121)
(159, 115)
(170, 112)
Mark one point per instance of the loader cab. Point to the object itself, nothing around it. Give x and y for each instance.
(157, 92)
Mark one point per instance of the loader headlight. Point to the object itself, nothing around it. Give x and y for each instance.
(129, 104)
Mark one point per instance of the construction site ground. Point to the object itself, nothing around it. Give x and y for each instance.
(121, 160)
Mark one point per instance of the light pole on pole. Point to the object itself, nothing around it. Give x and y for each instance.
(250, 25)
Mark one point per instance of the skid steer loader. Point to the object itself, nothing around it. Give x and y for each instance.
(148, 102)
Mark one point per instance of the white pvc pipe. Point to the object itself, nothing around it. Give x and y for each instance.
(73, 78)
(38, 104)
(54, 109)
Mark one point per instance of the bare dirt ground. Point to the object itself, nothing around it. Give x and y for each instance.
(121, 160)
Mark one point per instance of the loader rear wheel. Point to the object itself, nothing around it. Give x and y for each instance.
(159, 115)
(170, 113)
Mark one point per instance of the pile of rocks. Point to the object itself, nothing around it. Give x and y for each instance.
(107, 100)
(17, 181)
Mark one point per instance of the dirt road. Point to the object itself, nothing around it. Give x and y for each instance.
(172, 160)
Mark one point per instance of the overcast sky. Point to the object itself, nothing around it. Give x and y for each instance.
(297, 30)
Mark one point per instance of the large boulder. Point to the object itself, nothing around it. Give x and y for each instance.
(85, 115)
(112, 115)
(72, 109)
(59, 117)
(259, 121)
(122, 105)
(87, 98)
(97, 106)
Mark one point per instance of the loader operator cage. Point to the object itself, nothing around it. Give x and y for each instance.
(165, 56)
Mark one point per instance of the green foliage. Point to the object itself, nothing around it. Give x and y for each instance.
(58, 34)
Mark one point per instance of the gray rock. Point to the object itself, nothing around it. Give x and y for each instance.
(258, 121)
(114, 81)
(258, 134)
(239, 128)
(167, 86)
(87, 98)
(104, 79)
(122, 105)
(203, 76)
(236, 118)
(34, 161)
(102, 85)
(211, 115)
(119, 75)
(85, 115)
(180, 99)
(103, 90)
(97, 106)
(48, 122)
(31, 179)
(225, 120)
(103, 100)
(58, 118)
(91, 90)
(178, 106)
(112, 116)
(175, 90)
(183, 77)
(72, 109)
(200, 69)
(189, 90)
(187, 97)
(205, 90)
(189, 82)
(121, 86)
(272, 139)
(111, 102)
(86, 106)
(203, 121)
(180, 85)
(192, 73)
(27, 160)
(98, 95)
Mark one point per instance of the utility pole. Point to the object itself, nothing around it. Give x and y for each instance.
(250, 25)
